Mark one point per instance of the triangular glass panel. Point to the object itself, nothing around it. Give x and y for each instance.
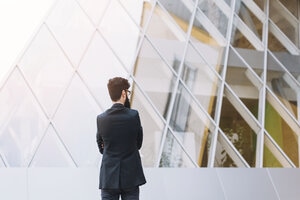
(284, 20)
(281, 132)
(95, 9)
(137, 10)
(97, 67)
(214, 14)
(207, 42)
(75, 123)
(275, 45)
(291, 6)
(200, 74)
(238, 39)
(121, 33)
(46, 69)
(165, 34)
(228, 2)
(269, 159)
(180, 11)
(191, 121)
(226, 156)
(283, 84)
(173, 154)
(260, 4)
(287, 63)
(71, 28)
(204, 31)
(236, 126)
(248, 59)
(243, 80)
(152, 124)
(155, 77)
(22, 121)
(222, 158)
(51, 152)
(250, 20)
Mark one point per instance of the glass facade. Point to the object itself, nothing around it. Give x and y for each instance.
(216, 82)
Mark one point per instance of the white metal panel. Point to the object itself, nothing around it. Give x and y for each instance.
(287, 182)
(247, 184)
(13, 183)
(181, 184)
(63, 183)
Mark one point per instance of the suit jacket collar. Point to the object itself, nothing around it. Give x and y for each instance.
(117, 106)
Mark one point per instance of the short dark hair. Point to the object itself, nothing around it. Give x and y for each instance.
(115, 86)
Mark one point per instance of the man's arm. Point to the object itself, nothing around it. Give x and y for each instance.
(140, 132)
(99, 138)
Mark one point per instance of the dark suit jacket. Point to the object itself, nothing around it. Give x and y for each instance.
(119, 137)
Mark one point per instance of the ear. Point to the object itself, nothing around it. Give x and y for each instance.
(123, 95)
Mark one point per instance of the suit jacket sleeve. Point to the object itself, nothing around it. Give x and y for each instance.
(99, 138)
(140, 133)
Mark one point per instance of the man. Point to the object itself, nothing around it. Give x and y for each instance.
(119, 138)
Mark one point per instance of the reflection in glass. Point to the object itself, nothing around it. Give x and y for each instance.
(201, 75)
(269, 159)
(247, 26)
(206, 32)
(275, 45)
(165, 35)
(173, 155)
(180, 11)
(191, 123)
(283, 85)
(284, 136)
(239, 40)
(152, 126)
(250, 61)
(238, 131)
(214, 14)
(284, 20)
(223, 158)
(154, 76)
(241, 80)
(291, 6)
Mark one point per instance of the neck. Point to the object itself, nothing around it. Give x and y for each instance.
(114, 102)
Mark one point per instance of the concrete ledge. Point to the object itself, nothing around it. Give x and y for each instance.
(13, 183)
(162, 184)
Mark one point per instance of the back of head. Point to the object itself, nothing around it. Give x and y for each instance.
(115, 86)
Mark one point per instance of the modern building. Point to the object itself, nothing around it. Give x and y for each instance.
(216, 82)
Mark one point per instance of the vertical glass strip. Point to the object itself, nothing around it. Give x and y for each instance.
(155, 77)
(121, 33)
(152, 124)
(283, 85)
(238, 131)
(285, 137)
(201, 75)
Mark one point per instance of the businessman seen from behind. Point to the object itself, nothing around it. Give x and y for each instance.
(119, 138)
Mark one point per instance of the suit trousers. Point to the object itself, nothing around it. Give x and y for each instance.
(130, 194)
